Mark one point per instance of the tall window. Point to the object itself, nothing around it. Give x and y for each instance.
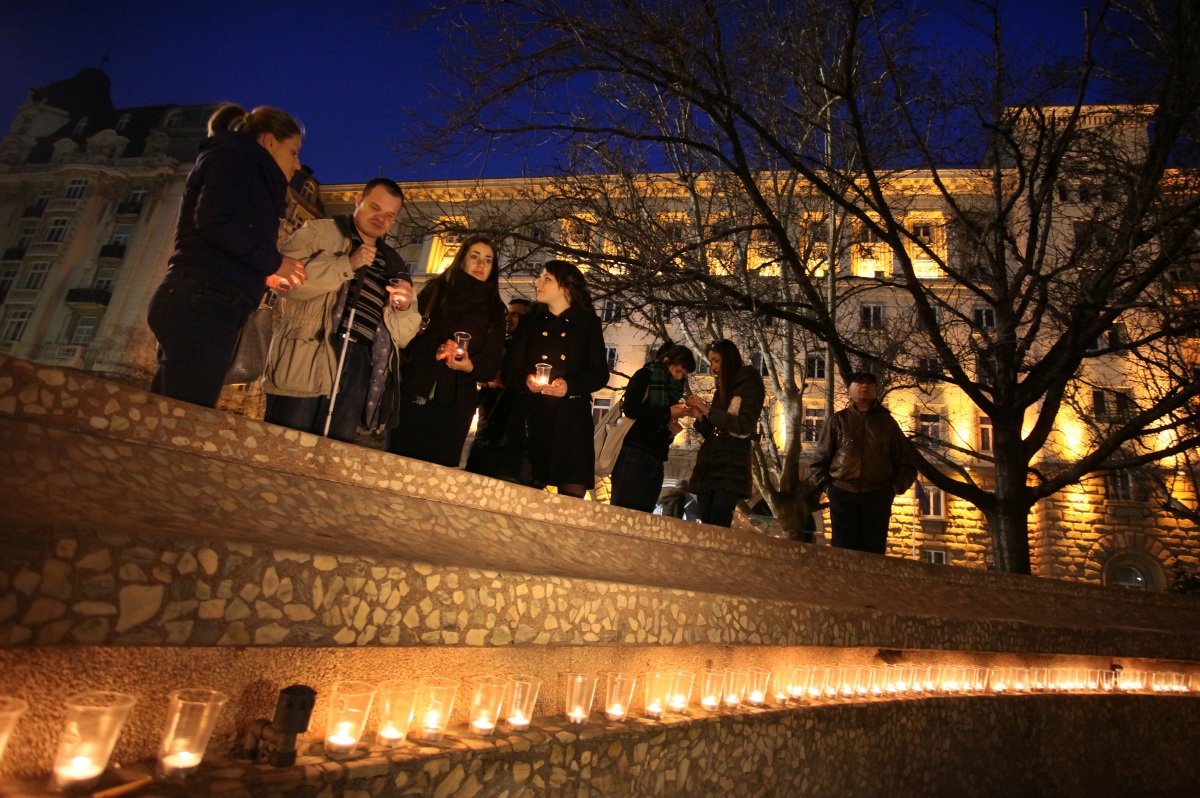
(25, 238)
(985, 434)
(600, 406)
(1111, 405)
(35, 278)
(105, 278)
(610, 354)
(85, 328)
(814, 365)
(937, 320)
(75, 189)
(872, 317)
(121, 234)
(931, 503)
(611, 312)
(57, 230)
(929, 425)
(985, 318)
(14, 325)
(43, 200)
(814, 422)
(8, 277)
(929, 369)
(1119, 486)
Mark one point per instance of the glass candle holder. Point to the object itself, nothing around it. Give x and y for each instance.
(681, 690)
(541, 373)
(758, 679)
(846, 678)
(735, 688)
(397, 698)
(349, 708)
(191, 717)
(93, 724)
(781, 684)
(619, 695)
(658, 692)
(868, 681)
(819, 681)
(487, 699)
(580, 690)
(712, 689)
(462, 340)
(522, 696)
(11, 710)
(431, 713)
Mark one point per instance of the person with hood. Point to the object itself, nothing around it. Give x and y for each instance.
(355, 310)
(226, 249)
(461, 345)
(721, 476)
(863, 461)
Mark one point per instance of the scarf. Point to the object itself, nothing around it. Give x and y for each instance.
(663, 390)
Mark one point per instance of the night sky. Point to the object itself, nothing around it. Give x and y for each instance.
(339, 67)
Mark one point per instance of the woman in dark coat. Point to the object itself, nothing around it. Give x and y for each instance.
(438, 381)
(564, 333)
(730, 427)
(226, 249)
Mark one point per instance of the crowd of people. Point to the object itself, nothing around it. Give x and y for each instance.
(353, 350)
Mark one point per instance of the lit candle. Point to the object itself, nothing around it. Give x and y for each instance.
(999, 687)
(389, 734)
(433, 721)
(482, 726)
(679, 703)
(341, 741)
(179, 762)
(655, 709)
(80, 768)
(781, 698)
(577, 716)
(756, 698)
(518, 721)
(615, 712)
(709, 702)
(732, 700)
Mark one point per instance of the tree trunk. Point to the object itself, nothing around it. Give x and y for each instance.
(1008, 521)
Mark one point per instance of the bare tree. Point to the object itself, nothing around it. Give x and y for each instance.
(1000, 225)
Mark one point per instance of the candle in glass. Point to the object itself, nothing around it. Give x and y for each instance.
(487, 698)
(11, 710)
(658, 692)
(735, 687)
(781, 683)
(580, 690)
(619, 695)
(541, 374)
(93, 724)
(681, 690)
(349, 708)
(757, 684)
(397, 700)
(522, 696)
(712, 689)
(191, 717)
(462, 340)
(435, 700)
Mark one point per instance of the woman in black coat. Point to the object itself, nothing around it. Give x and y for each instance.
(438, 393)
(226, 249)
(729, 425)
(564, 333)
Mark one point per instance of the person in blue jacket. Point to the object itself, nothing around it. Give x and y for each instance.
(226, 249)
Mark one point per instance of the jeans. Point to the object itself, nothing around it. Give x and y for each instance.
(308, 413)
(859, 521)
(716, 506)
(637, 480)
(197, 322)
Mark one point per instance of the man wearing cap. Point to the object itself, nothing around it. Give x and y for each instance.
(350, 303)
(863, 461)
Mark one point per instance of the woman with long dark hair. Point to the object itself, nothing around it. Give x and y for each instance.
(563, 333)
(226, 249)
(729, 425)
(462, 345)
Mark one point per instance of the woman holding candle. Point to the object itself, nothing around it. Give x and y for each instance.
(226, 249)
(563, 333)
(439, 377)
(729, 425)
(654, 400)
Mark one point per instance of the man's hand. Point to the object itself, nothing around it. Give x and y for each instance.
(290, 274)
(363, 255)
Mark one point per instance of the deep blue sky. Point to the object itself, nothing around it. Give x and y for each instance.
(336, 66)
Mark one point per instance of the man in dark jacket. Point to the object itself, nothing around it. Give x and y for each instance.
(863, 460)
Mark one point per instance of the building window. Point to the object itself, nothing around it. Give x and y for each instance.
(121, 234)
(759, 363)
(929, 426)
(702, 365)
(611, 312)
(75, 189)
(1118, 485)
(80, 127)
(14, 325)
(600, 408)
(814, 422)
(872, 317)
(35, 278)
(1111, 405)
(7, 278)
(42, 201)
(85, 328)
(171, 120)
(985, 434)
(929, 369)
(26, 237)
(984, 319)
(135, 200)
(1128, 577)
(814, 366)
(57, 230)
(924, 326)
(931, 501)
(105, 278)
(610, 355)
(935, 556)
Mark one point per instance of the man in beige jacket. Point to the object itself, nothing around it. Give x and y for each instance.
(357, 298)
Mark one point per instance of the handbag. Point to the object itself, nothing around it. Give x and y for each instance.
(254, 340)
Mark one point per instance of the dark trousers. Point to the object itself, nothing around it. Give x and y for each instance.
(197, 322)
(859, 521)
(637, 480)
(308, 413)
(716, 506)
(432, 432)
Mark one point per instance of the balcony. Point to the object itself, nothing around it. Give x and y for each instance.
(33, 211)
(14, 253)
(128, 208)
(88, 298)
(113, 251)
(64, 204)
(64, 355)
(23, 296)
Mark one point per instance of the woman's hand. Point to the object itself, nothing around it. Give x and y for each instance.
(556, 388)
(698, 406)
(679, 411)
(447, 350)
(290, 274)
(533, 385)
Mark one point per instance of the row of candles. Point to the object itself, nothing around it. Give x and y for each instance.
(420, 710)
